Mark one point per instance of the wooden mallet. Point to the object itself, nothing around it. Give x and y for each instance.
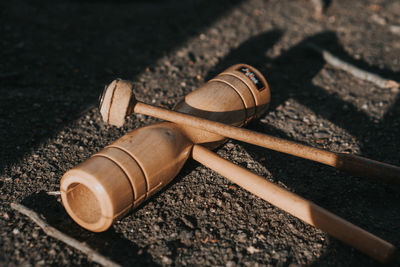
(349, 163)
(125, 173)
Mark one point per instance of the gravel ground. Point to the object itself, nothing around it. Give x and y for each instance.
(57, 55)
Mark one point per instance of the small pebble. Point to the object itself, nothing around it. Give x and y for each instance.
(252, 250)
(166, 260)
(35, 234)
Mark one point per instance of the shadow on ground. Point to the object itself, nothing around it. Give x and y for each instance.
(56, 57)
(290, 77)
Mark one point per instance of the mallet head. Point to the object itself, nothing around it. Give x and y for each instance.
(116, 102)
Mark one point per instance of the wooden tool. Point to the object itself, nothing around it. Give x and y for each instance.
(129, 171)
(125, 173)
(349, 163)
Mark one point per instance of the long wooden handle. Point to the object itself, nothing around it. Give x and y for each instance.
(297, 206)
(349, 163)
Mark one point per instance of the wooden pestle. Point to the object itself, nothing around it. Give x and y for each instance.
(349, 163)
(196, 113)
(124, 174)
(130, 170)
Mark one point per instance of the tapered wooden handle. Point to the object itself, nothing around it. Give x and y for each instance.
(299, 207)
(352, 164)
(361, 166)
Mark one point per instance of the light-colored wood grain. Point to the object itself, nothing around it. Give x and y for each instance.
(139, 164)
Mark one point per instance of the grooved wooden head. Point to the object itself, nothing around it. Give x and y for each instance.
(139, 164)
(115, 103)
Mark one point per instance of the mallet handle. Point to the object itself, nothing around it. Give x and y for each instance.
(297, 206)
(349, 163)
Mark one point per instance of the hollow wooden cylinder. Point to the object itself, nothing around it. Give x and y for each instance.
(130, 170)
(124, 174)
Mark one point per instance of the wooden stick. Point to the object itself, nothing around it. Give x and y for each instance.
(353, 70)
(345, 162)
(53, 232)
(297, 206)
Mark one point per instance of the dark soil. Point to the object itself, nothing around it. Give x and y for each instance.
(57, 55)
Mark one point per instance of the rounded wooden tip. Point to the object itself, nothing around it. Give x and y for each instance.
(116, 102)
